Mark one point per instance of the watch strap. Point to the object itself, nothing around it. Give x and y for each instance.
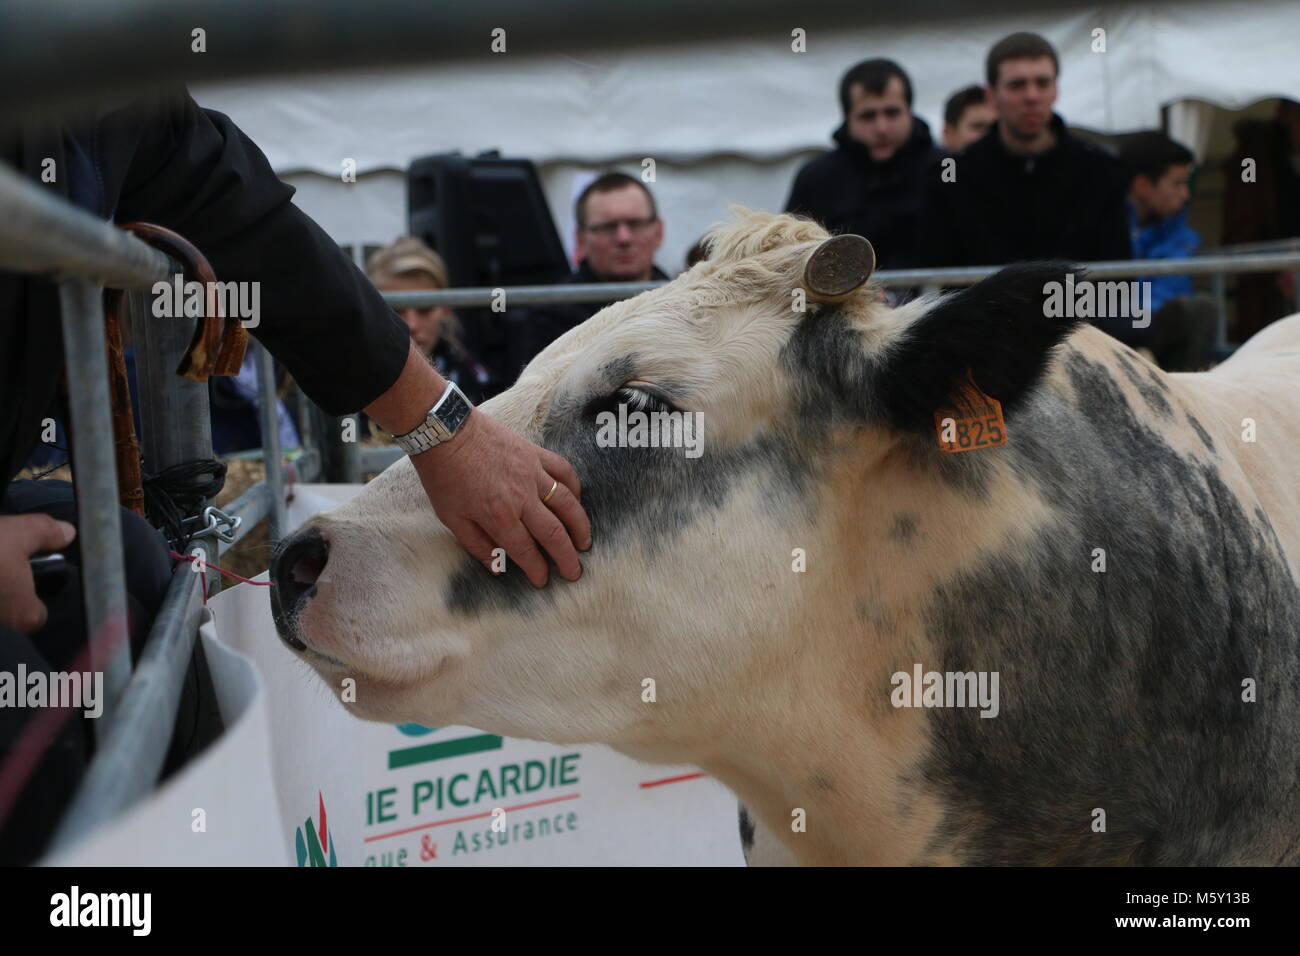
(440, 424)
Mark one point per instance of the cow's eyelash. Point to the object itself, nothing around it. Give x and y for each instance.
(640, 401)
(633, 398)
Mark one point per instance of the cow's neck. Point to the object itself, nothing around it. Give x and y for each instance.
(823, 736)
(828, 768)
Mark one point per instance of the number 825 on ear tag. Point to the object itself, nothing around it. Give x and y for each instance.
(974, 420)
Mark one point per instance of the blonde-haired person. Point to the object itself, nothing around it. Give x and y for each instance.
(408, 265)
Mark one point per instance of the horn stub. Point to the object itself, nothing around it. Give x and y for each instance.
(838, 268)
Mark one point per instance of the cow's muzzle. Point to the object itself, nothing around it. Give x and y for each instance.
(298, 562)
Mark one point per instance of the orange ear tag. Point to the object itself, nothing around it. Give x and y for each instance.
(974, 420)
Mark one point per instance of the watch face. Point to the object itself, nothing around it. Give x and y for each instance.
(454, 410)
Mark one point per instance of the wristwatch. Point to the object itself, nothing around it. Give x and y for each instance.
(440, 424)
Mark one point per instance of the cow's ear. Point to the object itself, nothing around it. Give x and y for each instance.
(998, 329)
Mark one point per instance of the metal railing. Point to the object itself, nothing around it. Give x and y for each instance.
(1278, 255)
(1285, 258)
(42, 233)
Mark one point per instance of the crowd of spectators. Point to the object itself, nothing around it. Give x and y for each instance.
(1008, 182)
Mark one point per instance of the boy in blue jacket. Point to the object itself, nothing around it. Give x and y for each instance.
(1182, 321)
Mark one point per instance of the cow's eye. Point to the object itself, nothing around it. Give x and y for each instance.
(633, 398)
(639, 400)
(636, 399)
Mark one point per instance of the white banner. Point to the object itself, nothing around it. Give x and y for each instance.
(297, 779)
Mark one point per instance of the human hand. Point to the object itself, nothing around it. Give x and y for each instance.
(21, 536)
(487, 484)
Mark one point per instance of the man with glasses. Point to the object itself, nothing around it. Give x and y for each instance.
(618, 233)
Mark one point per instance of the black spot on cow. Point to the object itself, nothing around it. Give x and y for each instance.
(1149, 386)
(1122, 690)
(1202, 434)
(903, 528)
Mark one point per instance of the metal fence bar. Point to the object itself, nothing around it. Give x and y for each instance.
(1219, 289)
(1265, 245)
(349, 452)
(129, 759)
(99, 517)
(42, 232)
(176, 425)
(268, 406)
(376, 459)
(613, 291)
(255, 502)
(307, 465)
(252, 505)
(1111, 269)
(306, 421)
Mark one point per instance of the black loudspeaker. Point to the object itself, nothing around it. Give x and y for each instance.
(488, 219)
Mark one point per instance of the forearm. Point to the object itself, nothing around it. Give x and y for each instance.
(407, 401)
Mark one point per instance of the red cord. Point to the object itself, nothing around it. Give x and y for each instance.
(216, 567)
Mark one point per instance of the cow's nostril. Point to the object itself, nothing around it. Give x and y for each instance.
(306, 570)
(297, 566)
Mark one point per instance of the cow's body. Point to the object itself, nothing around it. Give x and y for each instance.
(1125, 693)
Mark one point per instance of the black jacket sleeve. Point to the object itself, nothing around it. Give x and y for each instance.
(193, 171)
(936, 239)
(1113, 240)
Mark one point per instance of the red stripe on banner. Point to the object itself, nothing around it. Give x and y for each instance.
(660, 783)
(475, 816)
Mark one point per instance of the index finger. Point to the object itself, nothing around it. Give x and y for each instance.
(40, 532)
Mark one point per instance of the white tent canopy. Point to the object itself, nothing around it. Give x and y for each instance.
(731, 122)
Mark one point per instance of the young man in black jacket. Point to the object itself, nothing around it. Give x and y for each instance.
(872, 183)
(1027, 189)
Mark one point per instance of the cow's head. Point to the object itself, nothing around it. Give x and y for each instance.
(801, 509)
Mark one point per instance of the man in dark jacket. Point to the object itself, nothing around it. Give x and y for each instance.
(162, 159)
(618, 233)
(872, 183)
(1027, 189)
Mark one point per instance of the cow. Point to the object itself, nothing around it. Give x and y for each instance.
(1113, 581)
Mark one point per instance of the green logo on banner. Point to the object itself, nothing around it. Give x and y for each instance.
(312, 845)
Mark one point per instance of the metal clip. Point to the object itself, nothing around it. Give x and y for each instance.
(215, 521)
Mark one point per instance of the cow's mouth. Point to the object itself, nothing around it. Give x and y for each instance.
(288, 626)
